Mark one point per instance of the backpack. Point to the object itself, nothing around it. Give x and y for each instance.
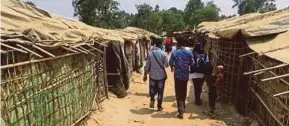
(200, 63)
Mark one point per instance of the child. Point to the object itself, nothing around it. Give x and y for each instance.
(214, 82)
(219, 81)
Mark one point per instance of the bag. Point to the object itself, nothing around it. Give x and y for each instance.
(200, 62)
(165, 76)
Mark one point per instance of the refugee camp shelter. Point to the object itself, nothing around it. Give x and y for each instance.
(53, 69)
(254, 50)
(142, 44)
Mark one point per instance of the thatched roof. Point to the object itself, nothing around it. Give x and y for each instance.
(263, 32)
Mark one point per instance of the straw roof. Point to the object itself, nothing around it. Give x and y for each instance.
(263, 32)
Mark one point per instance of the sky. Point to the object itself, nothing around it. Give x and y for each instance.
(64, 7)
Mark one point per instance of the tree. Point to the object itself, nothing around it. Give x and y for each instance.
(250, 6)
(157, 8)
(191, 8)
(172, 21)
(100, 13)
(207, 12)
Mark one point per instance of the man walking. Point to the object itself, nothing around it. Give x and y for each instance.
(201, 60)
(180, 62)
(155, 65)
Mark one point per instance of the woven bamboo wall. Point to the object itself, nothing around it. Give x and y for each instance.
(51, 91)
(270, 110)
(226, 52)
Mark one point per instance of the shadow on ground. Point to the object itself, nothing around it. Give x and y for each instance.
(143, 111)
(169, 99)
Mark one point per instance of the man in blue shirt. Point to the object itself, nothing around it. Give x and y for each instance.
(155, 65)
(180, 62)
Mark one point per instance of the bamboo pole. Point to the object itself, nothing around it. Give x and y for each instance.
(265, 69)
(282, 93)
(105, 73)
(258, 73)
(266, 107)
(48, 53)
(28, 50)
(284, 81)
(10, 47)
(68, 49)
(79, 50)
(36, 61)
(95, 48)
(86, 50)
(250, 53)
(262, 53)
(277, 77)
(268, 51)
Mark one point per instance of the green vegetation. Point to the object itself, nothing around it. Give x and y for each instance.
(250, 6)
(106, 14)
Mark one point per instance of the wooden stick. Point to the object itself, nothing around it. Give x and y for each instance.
(277, 77)
(265, 69)
(247, 54)
(2, 51)
(10, 47)
(79, 50)
(284, 81)
(266, 107)
(258, 73)
(48, 53)
(262, 53)
(95, 48)
(282, 93)
(81, 118)
(38, 60)
(68, 49)
(273, 50)
(28, 50)
(86, 50)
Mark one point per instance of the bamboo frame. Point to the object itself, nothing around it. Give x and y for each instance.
(277, 77)
(28, 50)
(264, 104)
(282, 93)
(58, 90)
(265, 69)
(10, 47)
(48, 53)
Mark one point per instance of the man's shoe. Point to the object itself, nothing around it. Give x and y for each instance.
(180, 116)
(152, 104)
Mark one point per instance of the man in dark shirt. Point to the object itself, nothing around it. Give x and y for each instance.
(180, 62)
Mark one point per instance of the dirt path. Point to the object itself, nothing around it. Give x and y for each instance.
(134, 110)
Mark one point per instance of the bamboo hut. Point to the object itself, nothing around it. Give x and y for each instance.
(254, 50)
(53, 69)
(141, 46)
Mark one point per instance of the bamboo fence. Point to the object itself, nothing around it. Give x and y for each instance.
(56, 91)
(267, 108)
(256, 84)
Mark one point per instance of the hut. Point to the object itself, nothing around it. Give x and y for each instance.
(142, 44)
(254, 50)
(53, 69)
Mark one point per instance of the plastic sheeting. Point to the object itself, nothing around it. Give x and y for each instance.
(278, 44)
(249, 25)
(46, 29)
(263, 32)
